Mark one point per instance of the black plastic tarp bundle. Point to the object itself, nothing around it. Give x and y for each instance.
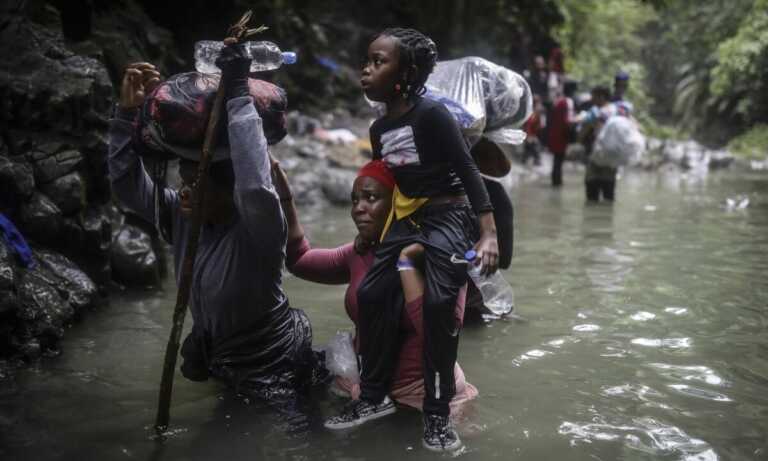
(174, 116)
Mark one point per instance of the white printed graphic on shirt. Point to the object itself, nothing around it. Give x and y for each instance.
(398, 147)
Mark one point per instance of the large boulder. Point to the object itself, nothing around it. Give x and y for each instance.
(42, 311)
(16, 183)
(8, 301)
(72, 284)
(40, 219)
(337, 185)
(67, 192)
(54, 160)
(48, 87)
(134, 261)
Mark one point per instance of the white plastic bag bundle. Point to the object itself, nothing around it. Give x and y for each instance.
(486, 99)
(340, 357)
(618, 143)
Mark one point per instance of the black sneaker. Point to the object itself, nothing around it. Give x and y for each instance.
(439, 434)
(359, 411)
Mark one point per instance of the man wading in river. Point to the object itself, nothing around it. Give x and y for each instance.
(244, 331)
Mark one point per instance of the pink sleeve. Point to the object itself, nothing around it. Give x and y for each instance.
(413, 309)
(320, 265)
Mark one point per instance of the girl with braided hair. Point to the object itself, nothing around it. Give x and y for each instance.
(440, 207)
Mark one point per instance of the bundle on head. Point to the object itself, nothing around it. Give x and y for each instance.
(174, 116)
(416, 49)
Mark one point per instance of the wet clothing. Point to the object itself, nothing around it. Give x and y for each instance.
(504, 217)
(443, 230)
(558, 134)
(243, 329)
(345, 265)
(428, 155)
(600, 181)
(429, 158)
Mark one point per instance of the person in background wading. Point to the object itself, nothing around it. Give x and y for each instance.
(371, 204)
(437, 179)
(244, 333)
(559, 129)
(598, 180)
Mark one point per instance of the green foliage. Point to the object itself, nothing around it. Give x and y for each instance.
(751, 144)
(702, 66)
(742, 61)
(603, 37)
(720, 49)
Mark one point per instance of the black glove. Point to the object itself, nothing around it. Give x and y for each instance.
(235, 64)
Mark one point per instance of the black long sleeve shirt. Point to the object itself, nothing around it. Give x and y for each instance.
(428, 155)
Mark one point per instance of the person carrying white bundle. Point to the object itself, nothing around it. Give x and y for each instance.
(611, 139)
(618, 143)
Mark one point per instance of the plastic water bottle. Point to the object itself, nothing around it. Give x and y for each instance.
(497, 293)
(265, 56)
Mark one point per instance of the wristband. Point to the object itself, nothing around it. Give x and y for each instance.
(404, 265)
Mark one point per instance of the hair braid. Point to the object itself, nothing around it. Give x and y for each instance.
(416, 49)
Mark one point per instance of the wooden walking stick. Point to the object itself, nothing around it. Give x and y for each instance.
(236, 33)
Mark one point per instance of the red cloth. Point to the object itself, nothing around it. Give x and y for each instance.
(379, 171)
(559, 125)
(532, 125)
(556, 59)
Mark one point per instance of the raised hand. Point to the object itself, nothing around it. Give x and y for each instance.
(139, 79)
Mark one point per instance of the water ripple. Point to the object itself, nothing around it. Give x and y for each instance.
(644, 434)
(643, 316)
(586, 327)
(669, 343)
(689, 373)
(700, 393)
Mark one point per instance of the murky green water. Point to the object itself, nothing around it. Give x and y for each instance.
(646, 339)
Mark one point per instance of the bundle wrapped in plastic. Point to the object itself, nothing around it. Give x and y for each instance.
(174, 117)
(486, 99)
(618, 143)
(490, 104)
(340, 357)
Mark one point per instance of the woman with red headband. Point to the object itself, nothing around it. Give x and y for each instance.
(371, 202)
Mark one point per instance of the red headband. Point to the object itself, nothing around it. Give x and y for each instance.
(379, 171)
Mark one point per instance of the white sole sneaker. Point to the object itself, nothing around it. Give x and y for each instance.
(346, 421)
(452, 447)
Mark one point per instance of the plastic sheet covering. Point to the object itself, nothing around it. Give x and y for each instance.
(618, 143)
(174, 116)
(486, 99)
(340, 357)
(61, 273)
(271, 360)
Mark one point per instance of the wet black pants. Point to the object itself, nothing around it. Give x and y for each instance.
(443, 230)
(557, 168)
(596, 187)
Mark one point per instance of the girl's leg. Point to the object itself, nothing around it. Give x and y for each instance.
(410, 275)
(380, 304)
(449, 232)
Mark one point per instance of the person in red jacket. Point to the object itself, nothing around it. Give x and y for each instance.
(559, 130)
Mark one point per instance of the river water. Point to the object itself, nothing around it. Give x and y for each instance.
(645, 338)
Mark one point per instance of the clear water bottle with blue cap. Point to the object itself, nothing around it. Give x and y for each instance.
(265, 56)
(497, 293)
